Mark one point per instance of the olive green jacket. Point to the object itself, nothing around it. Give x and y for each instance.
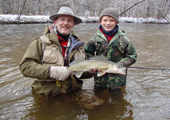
(32, 64)
(119, 50)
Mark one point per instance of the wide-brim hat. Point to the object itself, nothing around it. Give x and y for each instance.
(65, 11)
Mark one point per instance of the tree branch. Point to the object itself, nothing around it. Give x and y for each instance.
(131, 7)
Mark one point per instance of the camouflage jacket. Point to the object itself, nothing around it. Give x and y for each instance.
(119, 50)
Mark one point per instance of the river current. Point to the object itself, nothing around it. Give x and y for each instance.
(145, 97)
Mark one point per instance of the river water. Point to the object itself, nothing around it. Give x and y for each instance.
(145, 97)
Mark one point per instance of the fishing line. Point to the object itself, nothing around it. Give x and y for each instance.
(152, 68)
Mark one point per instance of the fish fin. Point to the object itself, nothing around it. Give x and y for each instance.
(77, 60)
(98, 58)
(78, 74)
(101, 73)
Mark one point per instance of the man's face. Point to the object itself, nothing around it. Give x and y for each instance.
(64, 24)
(108, 23)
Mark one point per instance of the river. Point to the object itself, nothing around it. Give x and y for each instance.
(145, 97)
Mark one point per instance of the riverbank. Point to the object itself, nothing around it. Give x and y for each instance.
(26, 19)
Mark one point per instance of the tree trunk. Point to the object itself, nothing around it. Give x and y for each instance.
(1, 11)
(21, 10)
(30, 7)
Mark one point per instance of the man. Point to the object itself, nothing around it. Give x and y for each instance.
(112, 43)
(47, 57)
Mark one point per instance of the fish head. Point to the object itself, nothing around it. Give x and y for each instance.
(114, 68)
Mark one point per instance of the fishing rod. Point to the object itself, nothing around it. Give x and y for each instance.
(152, 68)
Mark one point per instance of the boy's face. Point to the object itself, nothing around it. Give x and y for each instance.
(64, 24)
(108, 23)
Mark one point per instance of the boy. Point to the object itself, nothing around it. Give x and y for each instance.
(112, 43)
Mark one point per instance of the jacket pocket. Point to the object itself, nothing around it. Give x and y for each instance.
(52, 55)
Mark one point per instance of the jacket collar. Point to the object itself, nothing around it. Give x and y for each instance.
(119, 33)
(110, 33)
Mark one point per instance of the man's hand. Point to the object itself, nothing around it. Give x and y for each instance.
(60, 73)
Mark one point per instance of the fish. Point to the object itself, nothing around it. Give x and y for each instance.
(80, 65)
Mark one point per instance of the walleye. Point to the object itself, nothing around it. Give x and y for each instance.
(80, 65)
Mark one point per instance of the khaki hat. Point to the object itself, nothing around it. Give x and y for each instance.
(65, 11)
(110, 12)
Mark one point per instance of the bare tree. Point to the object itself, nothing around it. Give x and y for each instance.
(30, 7)
(1, 11)
(128, 8)
(160, 13)
(22, 10)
